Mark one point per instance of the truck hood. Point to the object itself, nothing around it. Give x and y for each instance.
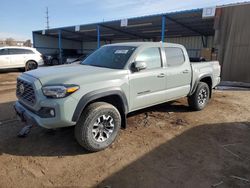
(72, 74)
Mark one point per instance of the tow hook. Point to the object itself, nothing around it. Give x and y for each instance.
(24, 131)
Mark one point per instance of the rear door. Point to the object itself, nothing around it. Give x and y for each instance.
(4, 58)
(147, 86)
(17, 57)
(178, 78)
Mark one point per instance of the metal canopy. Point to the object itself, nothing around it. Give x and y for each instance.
(153, 27)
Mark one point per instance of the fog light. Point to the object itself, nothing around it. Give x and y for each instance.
(52, 112)
(46, 112)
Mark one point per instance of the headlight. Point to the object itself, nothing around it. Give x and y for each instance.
(59, 91)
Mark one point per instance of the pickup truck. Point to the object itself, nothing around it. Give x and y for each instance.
(96, 94)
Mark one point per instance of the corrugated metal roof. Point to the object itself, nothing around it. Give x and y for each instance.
(179, 23)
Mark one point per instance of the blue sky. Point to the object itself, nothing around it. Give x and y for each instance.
(18, 18)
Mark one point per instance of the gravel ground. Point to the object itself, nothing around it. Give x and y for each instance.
(164, 146)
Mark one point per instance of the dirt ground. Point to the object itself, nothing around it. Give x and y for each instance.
(164, 146)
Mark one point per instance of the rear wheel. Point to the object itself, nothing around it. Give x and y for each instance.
(31, 65)
(55, 61)
(199, 99)
(98, 126)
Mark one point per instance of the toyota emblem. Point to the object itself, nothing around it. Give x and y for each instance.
(21, 89)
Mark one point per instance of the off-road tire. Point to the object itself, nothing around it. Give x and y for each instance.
(194, 99)
(84, 126)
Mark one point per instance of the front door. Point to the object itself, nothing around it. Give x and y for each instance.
(4, 58)
(147, 86)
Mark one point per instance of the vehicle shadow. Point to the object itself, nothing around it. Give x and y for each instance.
(2, 71)
(7, 112)
(202, 156)
(43, 142)
(40, 141)
(227, 88)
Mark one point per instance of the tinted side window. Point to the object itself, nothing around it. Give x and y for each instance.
(19, 51)
(25, 51)
(151, 56)
(174, 56)
(4, 52)
(14, 51)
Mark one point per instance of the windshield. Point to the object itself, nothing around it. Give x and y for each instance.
(114, 57)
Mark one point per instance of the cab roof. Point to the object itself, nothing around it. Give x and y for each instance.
(148, 44)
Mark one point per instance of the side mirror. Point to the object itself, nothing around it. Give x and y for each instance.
(140, 65)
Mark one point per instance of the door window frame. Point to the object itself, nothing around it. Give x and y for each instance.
(147, 69)
(183, 54)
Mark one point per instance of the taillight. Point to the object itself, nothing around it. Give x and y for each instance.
(43, 57)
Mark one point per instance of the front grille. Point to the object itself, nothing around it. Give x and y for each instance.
(25, 91)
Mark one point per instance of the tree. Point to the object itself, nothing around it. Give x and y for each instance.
(27, 43)
(10, 42)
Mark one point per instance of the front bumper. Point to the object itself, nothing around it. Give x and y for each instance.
(24, 115)
(32, 118)
(40, 62)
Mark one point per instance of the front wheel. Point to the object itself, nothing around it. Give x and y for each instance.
(98, 126)
(199, 99)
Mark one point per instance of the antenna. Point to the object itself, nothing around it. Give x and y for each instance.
(47, 18)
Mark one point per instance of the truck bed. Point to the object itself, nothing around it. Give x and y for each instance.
(206, 68)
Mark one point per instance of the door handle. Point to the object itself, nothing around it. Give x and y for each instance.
(185, 71)
(161, 75)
